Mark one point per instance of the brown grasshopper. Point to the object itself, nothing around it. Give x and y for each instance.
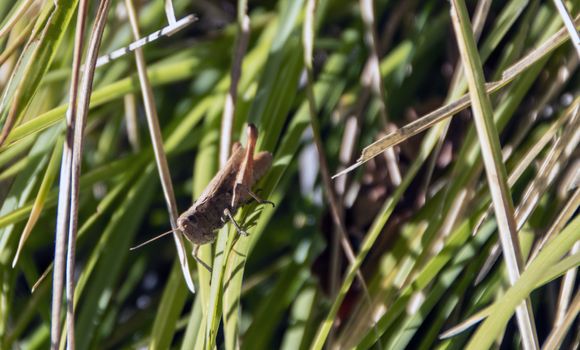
(230, 189)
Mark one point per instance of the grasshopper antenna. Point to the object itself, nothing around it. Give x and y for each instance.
(152, 239)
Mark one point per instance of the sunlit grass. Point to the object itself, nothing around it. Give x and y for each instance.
(426, 243)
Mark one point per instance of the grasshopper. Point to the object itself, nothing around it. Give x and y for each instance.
(230, 189)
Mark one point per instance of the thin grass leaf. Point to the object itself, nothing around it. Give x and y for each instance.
(80, 116)
(171, 29)
(171, 305)
(40, 199)
(451, 109)
(557, 335)
(87, 180)
(496, 174)
(229, 109)
(376, 81)
(160, 157)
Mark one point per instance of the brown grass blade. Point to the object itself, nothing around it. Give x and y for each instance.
(492, 160)
(158, 149)
(64, 193)
(427, 121)
(86, 88)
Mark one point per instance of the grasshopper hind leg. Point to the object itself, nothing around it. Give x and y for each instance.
(239, 229)
(243, 188)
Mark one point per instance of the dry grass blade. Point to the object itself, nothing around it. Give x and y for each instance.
(529, 157)
(492, 160)
(559, 154)
(76, 160)
(565, 214)
(376, 81)
(466, 324)
(569, 24)
(456, 87)
(140, 42)
(160, 156)
(169, 11)
(427, 121)
(559, 332)
(567, 287)
(352, 125)
(235, 73)
(64, 193)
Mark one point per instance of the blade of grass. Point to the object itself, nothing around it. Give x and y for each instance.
(64, 194)
(565, 214)
(550, 274)
(495, 170)
(456, 277)
(271, 310)
(301, 319)
(158, 149)
(76, 161)
(567, 287)
(169, 11)
(557, 335)
(205, 166)
(140, 42)
(554, 159)
(171, 305)
(39, 202)
(87, 181)
(229, 109)
(376, 81)
(452, 108)
(227, 123)
(10, 155)
(193, 325)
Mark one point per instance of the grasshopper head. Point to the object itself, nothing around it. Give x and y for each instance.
(194, 230)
